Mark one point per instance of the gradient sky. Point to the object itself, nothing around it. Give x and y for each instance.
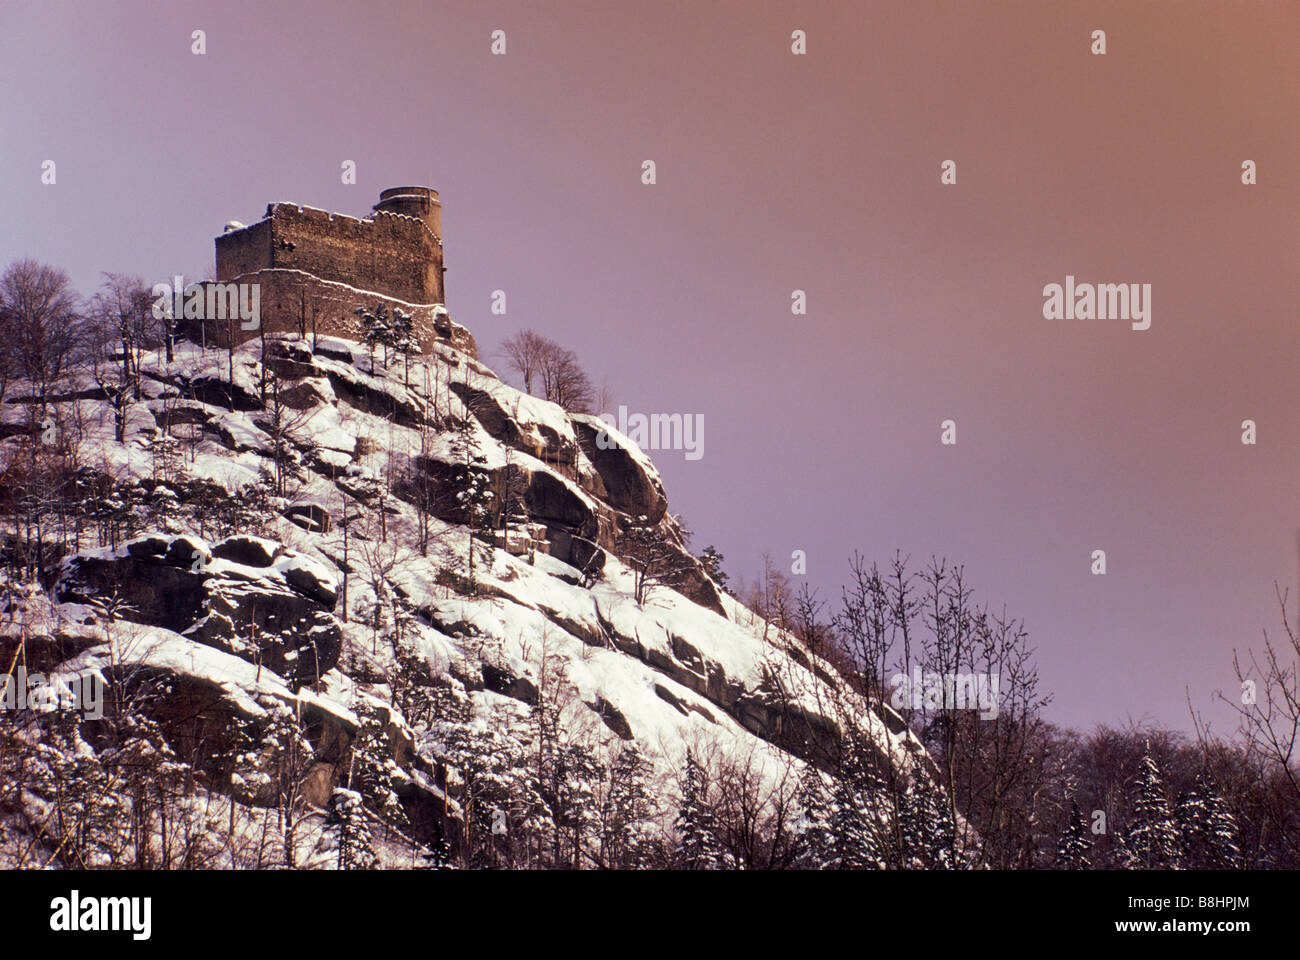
(778, 172)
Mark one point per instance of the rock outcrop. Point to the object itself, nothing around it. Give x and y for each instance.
(355, 560)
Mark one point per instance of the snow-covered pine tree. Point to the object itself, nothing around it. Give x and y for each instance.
(403, 340)
(1209, 830)
(166, 458)
(698, 845)
(148, 774)
(852, 824)
(376, 331)
(852, 829)
(713, 561)
(814, 836)
(503, 810)
(473, 486)
(627, 840)
(869, 840)
(291, 757)
(1152, 840)
(654, 557)
(252, 507)
(1074, 843)
(413, 690)
(93, 822)
(437, 852)
(1224, 832)
(166, 508)
(348, 816)
(373, 773)
(571, 800)
(238, 753)
(928, 832)
(913, 834)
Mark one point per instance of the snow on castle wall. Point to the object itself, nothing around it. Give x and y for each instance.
(316, 268)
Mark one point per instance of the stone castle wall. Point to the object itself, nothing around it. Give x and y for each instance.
(314, 268)
(390, 253)
(294, 300)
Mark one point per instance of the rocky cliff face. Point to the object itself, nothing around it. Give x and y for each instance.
(297, 537)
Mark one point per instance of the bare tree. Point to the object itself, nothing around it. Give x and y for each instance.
(120, 311)
(292, 761)
(42, 321)
(604, 399)
(524, 351)
(555, 368)
(863, 623)
(423, 489)
(8, 360)
(754, 806)
(114, 380)
(1268, 702)
(656, 559)
(347, 518)
(566, 382)
(382, 559)
(289, 432)
(769, 597)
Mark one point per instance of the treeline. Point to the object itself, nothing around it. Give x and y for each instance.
(59, 354)
(538, 793)
(1030, 793)
(53, 344)
(48, 331)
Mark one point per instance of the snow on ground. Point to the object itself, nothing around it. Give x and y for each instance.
(531, 621)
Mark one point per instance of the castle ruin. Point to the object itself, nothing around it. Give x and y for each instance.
(315, 268)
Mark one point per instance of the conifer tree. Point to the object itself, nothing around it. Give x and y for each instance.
(348, 815)
(413, 691)
(437, 853)
(698, 846)
(504, 813)
(655, 559)
(853, 833)
(712, 561)
(89, 817)
(403, 339)
(1208, 828)
(473, 485)
(376, 331)
(291, 757)
(628, 818)
(570, 797)
(815, 843)
(857, 827)
(374, 773)
(926, 825)
(1075, 842)
(1152, 841)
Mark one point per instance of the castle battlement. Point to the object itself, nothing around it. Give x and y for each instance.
(394, 255)
(396, 252)
(325, 217)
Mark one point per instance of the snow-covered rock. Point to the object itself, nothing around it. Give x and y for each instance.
(320, 565)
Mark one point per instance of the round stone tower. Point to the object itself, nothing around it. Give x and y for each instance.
(421, 202)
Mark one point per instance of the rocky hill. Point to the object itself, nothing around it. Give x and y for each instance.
(334, 594)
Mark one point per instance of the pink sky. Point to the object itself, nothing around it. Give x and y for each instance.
(778, 172)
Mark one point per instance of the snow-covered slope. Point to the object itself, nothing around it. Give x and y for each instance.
(290, 537)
